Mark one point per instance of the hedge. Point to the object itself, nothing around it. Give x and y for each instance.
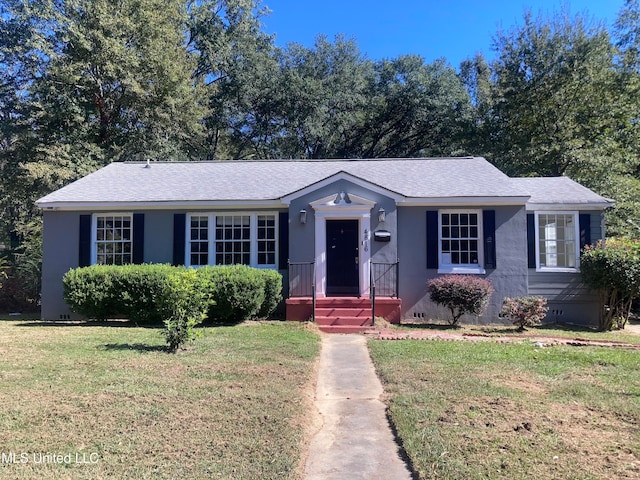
(140, 292)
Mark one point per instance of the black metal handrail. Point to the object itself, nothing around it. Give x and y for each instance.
(302, 282)
(383, 282)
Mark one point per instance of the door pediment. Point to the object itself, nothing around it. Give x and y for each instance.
(342, 201)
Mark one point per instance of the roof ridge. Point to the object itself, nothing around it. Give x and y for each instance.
(291, 160)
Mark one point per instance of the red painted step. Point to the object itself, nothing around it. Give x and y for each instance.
(343, 314)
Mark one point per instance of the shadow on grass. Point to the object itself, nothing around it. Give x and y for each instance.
(431, 326)
(138, 347)
(87, 323)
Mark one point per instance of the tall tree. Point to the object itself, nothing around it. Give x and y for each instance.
(553, 97)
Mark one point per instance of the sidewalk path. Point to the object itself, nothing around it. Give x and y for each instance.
(355, 441)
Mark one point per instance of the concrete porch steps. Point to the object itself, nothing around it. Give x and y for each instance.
(343, 314)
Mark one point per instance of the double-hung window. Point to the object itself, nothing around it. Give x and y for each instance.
(460, 242)
(232, 239)
(113, 241)
(557, 240)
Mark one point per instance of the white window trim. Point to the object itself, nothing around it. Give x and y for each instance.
(468, 269)
(576, 223)
(94, 232)
(253, 236)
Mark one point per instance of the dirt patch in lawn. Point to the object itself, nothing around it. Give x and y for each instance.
(495, 431)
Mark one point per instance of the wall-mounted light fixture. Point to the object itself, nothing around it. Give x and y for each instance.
(303, 216)
(381, 215)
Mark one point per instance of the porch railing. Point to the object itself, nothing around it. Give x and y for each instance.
(302, 282)
(383, 282)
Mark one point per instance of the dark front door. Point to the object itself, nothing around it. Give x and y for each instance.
(342, 257)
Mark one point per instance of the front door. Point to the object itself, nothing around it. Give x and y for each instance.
(343, 259)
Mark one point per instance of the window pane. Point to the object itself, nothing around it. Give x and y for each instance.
(113, 239)
(460, 238)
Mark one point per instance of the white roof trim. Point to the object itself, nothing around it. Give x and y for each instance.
(530, 207)
(342, 175)
(160, 205)
(462, 201)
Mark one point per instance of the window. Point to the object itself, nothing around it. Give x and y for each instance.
(113, 239)
(233, 239)
(199, 240)
(230, 239)
(557, 240)
(460, 241)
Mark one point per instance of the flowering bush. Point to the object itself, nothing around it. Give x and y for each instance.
(524, 311)
(461, 294)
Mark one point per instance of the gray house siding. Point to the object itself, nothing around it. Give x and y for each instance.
(569, 300)
(61, 247)
(302, 237)
(509, 278)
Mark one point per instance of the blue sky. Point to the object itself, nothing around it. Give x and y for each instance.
(454, 29)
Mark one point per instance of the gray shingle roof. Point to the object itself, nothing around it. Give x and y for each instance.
(558, 190)
(271, 180)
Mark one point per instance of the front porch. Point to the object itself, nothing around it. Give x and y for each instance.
(343, 313)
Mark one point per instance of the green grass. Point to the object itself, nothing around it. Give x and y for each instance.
(232, 406)
(489, 410)
(554, 330)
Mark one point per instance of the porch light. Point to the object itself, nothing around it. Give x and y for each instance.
(381, 215)
(303, 216)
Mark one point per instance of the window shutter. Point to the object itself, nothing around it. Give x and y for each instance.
(432, 239)
(489, 233)
(531, 240)
(179, 225)
(584, 220)
(138, 238)
(84, 245)
(283, 240)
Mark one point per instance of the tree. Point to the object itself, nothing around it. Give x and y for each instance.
(559, 105)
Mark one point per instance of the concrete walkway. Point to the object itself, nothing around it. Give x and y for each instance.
(355, 440)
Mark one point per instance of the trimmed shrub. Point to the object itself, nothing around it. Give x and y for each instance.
(272, 292)
(141, 291)
(524, 311)
(237, 292)
(612, 268)
(461, 294)
(89, 291)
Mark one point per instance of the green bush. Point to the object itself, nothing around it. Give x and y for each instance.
(139, 292)
(237, 291)
(524, 311)
(186, 303)
(460, 294)
(612, 268)
(272, 292)
(89, 291)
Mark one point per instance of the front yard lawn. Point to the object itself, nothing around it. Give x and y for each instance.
(109, 402)
(491, 410)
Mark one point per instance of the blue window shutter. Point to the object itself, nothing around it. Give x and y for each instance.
(138, 238)
(432, 239)
(489, 233)
(585, 229)
(84, 246)
(531, 240)
(179, 225)
(283, 240)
